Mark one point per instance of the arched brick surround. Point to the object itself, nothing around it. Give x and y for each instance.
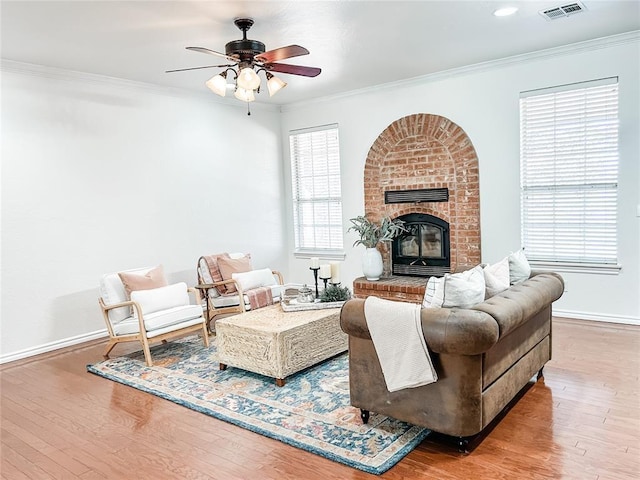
(427, 151)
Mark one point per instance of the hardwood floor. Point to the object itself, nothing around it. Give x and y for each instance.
(582, 422)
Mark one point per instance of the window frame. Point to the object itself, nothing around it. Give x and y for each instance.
(333, 169)
(541, 173)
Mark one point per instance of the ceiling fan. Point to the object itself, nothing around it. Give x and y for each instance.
(248, 58)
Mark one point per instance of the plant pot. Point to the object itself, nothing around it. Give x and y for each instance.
(372, 265)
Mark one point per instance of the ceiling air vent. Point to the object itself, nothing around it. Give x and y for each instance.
(563, 11)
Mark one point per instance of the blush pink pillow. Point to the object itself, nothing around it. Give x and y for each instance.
(132, 282)
(229, 266)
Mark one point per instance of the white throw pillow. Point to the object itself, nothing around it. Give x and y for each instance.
(462, 290)
(254, 279)
(161, 298)
(430, 291)
(496, 277)
(519, 268)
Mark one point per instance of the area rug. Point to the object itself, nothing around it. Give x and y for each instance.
(310, 412)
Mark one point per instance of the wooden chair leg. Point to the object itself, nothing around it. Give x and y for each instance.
(108, 349)
(205, 334)
(146, 350)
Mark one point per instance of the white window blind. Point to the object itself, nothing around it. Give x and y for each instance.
(317, 197)
(569, 173)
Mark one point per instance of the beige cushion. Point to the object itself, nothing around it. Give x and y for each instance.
(154, 278)
(496, 277)
(229, 266)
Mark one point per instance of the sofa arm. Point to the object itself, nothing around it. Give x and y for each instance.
(446, 330)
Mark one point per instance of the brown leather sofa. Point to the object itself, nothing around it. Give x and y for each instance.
(483, 357)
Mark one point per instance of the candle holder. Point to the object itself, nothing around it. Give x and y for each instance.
(315, 277)
(325, 281)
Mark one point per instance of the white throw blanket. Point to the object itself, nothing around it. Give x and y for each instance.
(396, 331)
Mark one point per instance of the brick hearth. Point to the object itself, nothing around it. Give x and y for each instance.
(405, 289)
(417, 152)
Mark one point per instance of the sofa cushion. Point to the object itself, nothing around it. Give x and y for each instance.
(430, 291)
(519, 268)
(496, 277)
(462, 290)
(162, 298)
(164, 319)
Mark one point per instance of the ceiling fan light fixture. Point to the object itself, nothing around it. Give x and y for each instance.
(244, 95)
(274, 84)
(218, 84)
(248, 79)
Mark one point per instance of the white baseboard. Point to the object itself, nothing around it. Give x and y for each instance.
(597, 317)
(48, 347)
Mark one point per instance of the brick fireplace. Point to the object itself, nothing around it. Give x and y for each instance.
(417, 153)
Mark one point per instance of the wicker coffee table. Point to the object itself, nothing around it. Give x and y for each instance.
(277, 344)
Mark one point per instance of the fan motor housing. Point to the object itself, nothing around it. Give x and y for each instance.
(244, 48)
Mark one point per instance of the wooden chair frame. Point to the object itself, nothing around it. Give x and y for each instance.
(211, 309)
(141, 335)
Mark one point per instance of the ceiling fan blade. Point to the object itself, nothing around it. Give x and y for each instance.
(282, 53)
(212, 52)
(197, 68)
(293, 69)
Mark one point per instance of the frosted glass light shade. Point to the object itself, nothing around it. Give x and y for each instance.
(274, 84)
(244, 95)
(218, 84)
(248, 79)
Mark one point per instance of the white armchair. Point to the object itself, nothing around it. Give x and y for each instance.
(219, 301)
(155, 314)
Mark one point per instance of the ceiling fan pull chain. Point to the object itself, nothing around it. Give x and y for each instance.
(248, 109)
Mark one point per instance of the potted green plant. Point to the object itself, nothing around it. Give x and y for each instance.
(371, 234)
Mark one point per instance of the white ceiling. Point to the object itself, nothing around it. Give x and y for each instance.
(357, 44)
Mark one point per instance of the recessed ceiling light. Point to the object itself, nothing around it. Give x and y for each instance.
(505, 12)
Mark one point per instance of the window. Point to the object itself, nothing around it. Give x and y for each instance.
(317, 198)
(569, 174)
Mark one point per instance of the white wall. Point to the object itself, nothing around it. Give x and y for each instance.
(484, 102)
(101, 175)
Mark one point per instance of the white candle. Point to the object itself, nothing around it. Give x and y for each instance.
(335, 272)
(325, 271)
(315, 262)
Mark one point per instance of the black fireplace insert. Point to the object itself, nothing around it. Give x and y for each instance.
(424, 250)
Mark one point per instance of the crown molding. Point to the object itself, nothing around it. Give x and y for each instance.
(54, 73)
(573, 48)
